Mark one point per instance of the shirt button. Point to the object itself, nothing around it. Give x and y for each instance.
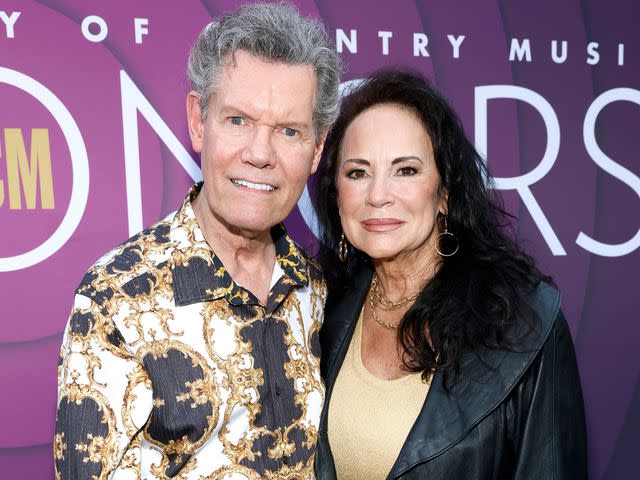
(278, 390)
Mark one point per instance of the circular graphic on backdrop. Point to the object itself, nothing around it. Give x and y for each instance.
(79, 162)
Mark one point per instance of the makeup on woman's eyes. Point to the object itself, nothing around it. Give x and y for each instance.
(407, 166)
(355, 173)
(353, 168)
(356, 168)
(407, 171)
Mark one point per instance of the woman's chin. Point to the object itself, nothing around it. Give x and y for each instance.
(383, 253)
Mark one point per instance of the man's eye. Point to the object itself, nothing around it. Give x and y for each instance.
(290, 132)
(356, 173)
(236, 120)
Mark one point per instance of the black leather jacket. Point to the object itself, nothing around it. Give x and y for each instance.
(520, 416)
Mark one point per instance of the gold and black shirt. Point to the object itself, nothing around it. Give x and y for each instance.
(169, 369)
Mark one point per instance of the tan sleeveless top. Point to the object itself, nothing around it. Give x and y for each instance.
(370, 418)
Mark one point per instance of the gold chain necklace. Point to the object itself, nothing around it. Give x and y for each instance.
(376, 293)
(375, 297)
(374, 314)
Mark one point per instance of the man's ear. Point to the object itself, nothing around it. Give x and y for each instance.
(194, 121)
(317, 154)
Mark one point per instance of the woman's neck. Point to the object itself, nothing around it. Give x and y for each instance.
(405, 275)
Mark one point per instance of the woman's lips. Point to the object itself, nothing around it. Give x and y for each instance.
(381, 224)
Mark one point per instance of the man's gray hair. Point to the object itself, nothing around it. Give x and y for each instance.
(275, 32)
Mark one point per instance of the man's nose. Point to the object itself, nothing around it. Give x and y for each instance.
(379, 192)
(259, 150)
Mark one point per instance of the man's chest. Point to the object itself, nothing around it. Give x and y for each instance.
(242, 379)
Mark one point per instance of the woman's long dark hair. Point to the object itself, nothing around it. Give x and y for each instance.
(476, 294)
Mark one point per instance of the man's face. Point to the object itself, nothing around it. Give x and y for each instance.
(257, 143)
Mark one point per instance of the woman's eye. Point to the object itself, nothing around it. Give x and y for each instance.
(356, 173)
(236, 120)
(290, 132)
(407, 171)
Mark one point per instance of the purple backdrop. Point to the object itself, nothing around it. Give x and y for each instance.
(109, 91)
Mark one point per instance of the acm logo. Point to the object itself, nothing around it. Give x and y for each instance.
(29, 173)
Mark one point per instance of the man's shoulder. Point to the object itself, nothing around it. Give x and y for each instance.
(313, 266)
(130, 263)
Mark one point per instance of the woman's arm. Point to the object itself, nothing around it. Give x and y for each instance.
(549, 423)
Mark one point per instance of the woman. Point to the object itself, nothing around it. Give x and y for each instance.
(444, 351)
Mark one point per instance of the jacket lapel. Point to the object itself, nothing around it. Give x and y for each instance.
(448, 416)
(341, 314)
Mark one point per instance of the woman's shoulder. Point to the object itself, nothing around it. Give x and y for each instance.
(342, 309)
(554, 331)
(345, 292)
(539, 312)
(535, 327)
(545, 301)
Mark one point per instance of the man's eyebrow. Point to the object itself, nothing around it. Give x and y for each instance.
(295, 125)
(234, 110)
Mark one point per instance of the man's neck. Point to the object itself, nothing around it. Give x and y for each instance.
(248, 256)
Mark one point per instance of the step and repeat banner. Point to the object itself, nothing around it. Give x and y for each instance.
(94, 145)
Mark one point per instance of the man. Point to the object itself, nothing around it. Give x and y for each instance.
(192, 349)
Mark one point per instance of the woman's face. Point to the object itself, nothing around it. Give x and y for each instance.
(387, 183)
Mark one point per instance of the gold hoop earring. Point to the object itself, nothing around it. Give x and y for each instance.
(343, 249)
(446, 237)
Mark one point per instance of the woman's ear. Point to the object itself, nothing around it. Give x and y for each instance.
(443, 200)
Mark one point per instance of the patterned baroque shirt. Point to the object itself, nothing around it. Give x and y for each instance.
(169, 369)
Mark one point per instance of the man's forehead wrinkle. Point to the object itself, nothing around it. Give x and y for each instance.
(267, 105)
(255, 107)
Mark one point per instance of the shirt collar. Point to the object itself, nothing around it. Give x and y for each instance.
(199, 275)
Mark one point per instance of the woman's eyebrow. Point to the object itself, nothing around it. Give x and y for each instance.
(404, 159)
(359, 161)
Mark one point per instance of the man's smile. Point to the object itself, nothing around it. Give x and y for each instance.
(254, 186)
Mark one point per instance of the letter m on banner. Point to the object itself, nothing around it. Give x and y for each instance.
(28, 171)
(133, 101)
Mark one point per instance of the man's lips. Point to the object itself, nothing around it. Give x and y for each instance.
(381, 224)
(262, 187)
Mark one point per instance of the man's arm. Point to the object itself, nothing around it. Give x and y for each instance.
(104, 397)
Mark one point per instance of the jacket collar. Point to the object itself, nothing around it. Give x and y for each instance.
(447, 416)
(341, 313)
(199, 275)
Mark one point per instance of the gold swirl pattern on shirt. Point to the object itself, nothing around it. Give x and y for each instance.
(177, 371)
